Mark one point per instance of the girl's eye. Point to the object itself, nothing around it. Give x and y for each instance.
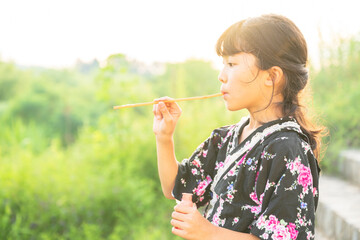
(230, 64)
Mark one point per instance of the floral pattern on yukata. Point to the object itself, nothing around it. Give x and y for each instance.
(267, 185)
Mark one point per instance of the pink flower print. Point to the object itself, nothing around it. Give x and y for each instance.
(242, 159)
(305, 146)
(216, 220)
(219, 165)
(204, 153)
(262, 154)
(253, 197)
(236, 220)
(231, 172)
(230, 196)
(223, 222)
(314, 191)
(301, 222)
(305, 178)
(261, 222)
(272, 223)
(256, 178)
(194, 171)
(296, 165)
(265, 236)
(256, 209)
(269, 185)
(221, 204)
(196, 163)
(200, 190)
(292, 167)
(292, 230)
(230, 131)
(262, 197)
(183, 182)
(281, 233)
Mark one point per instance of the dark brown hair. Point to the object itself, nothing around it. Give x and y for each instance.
(276, 41)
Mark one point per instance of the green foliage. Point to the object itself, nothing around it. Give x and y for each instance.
(74, 168)
(336, 95)
(9, 78)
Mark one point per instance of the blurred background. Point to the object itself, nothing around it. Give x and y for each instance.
(71, 167)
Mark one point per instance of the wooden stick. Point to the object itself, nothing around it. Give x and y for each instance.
(174, 100)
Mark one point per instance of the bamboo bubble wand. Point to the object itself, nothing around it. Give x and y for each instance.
(173, 100)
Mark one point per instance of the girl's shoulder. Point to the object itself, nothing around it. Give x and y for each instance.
(225, 131)
(288, 144)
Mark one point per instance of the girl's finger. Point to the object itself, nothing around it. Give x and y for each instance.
(178, 216)
(179, 232)
(166, 101)
(177, 224)
(172, 106)
(158, 113)
(181, 208)
(165, 112)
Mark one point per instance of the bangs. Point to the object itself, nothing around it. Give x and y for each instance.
(232, 41)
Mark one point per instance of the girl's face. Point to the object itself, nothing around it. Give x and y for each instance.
(243, 83)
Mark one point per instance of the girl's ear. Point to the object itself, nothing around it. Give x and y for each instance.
(275, 76)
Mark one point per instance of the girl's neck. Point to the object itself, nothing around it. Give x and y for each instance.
(257, 119)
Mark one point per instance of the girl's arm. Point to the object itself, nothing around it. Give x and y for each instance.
(188, 223)
(166, 116)
(167, 165)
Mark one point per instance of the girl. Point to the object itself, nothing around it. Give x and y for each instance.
(258, 178)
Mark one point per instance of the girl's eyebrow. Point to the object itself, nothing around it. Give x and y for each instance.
(236, 58)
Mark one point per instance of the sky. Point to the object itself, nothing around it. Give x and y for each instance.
(56, 33)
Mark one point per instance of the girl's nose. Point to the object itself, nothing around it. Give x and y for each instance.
(222, 78)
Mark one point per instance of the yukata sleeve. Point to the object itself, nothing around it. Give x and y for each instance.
(286, 190)
(196, 173)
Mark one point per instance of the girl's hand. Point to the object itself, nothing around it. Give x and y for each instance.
(188, 223)
(166, 116)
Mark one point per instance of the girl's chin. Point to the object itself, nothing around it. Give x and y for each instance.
(232, 110)
(232, 107)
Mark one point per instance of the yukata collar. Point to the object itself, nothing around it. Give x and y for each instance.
(238, 154)
(266, 127)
